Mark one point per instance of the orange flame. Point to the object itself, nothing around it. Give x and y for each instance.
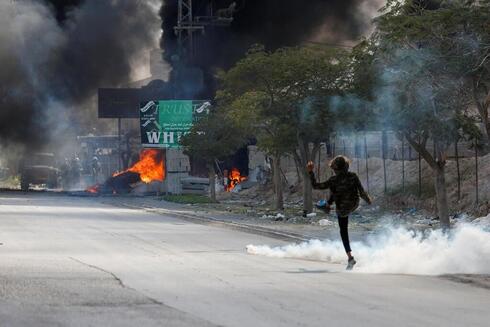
(234, 178)
(150, 167)
(93, 189)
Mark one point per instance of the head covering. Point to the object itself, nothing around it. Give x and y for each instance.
(340, 163)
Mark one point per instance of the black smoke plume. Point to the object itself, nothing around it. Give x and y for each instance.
(56, 54)
(273, 23)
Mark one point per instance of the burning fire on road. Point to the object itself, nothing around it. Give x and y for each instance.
(149, 168)
(234, 178)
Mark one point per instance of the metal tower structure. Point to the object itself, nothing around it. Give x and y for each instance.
(185, 29)
(188, 24)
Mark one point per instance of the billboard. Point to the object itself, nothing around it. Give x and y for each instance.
(118, 103)
(164, 122)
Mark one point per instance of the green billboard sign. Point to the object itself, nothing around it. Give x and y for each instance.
(164, 122)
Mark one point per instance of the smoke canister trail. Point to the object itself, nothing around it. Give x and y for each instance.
(397, 250)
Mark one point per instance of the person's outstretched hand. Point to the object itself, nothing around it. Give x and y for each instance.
(310, 166)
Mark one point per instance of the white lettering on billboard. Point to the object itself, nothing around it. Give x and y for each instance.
(168, 137)
(153, 137)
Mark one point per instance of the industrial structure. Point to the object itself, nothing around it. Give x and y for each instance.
(188, 24)
(186, 82)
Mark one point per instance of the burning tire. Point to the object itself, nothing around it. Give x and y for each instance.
(150, 167)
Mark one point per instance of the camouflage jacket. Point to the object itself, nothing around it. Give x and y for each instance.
(345, 188)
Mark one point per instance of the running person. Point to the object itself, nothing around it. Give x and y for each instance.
(346, 189)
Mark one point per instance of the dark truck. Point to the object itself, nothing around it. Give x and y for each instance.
(39, 169)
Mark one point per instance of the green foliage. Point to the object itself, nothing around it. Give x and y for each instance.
(281, 96)
(457, 31)
(355, 106)
(363, 70)
(427, 54)
(213, 137)
(433, 55)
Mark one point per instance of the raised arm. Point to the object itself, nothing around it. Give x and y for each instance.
(318, 186)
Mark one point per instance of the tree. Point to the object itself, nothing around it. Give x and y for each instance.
(460, 32)
(463, 28)
(284, 96)
(274, 136)
(421, 91)
(212, 138)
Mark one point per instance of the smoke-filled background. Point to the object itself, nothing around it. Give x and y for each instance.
(56, 54)
(273, 23)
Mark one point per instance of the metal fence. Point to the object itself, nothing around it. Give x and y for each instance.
(387, 146)
(371, 145)
(364, 147)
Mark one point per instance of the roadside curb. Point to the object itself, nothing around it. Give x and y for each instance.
(285, 236)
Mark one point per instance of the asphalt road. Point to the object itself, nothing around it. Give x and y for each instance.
(68, 261)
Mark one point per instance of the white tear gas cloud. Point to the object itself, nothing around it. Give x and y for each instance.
(51, 70)
(397, 250)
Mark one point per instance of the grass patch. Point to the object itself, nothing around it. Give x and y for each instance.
(187, 198)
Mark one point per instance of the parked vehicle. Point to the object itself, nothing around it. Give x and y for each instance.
(39, 169)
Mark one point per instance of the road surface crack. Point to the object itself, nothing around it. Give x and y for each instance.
(117, 279)
(100, 269)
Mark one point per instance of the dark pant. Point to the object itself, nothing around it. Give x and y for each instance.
(344, 233)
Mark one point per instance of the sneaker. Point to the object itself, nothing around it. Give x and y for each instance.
(350, 264)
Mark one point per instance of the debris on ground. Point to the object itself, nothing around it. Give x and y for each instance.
(325, 222)
(425, 221)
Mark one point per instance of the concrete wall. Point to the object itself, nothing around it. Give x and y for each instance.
(177, 166)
